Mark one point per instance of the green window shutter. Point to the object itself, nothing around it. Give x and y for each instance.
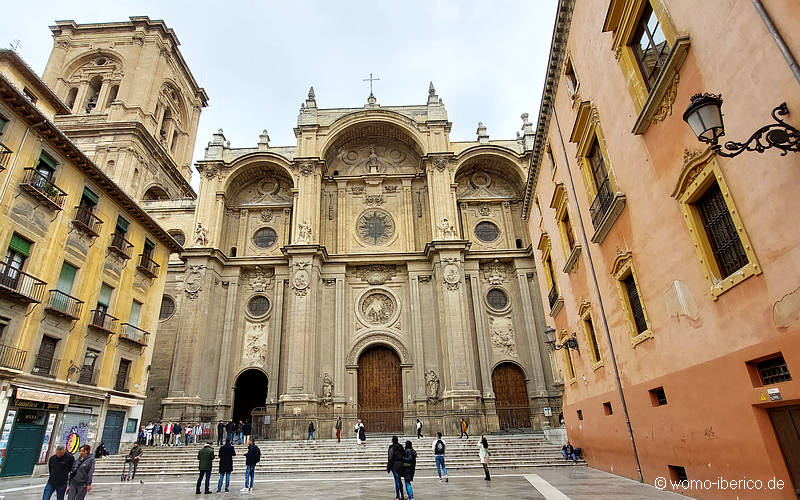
(122, 225)
(149, 244)
(89, 194)
(105, 295)
(47, 160)
(136, 308)
(66, 278)
(20, 245)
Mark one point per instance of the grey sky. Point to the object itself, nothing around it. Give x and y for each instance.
(256, 60)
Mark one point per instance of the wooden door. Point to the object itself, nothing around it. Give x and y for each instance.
(380, 390)
(24, 444)
(112, 430)
(508, 383)
(786, 421)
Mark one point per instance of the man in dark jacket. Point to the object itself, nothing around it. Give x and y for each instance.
(220, 433)
(247, 430)
(409, 468)
(226, 454)
(59, 466)
(80, 482)
(205, 458)
(229, 428)
(251, 458)
(395, 466)
(133, 460)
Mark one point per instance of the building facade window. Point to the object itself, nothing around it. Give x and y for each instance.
(571, 249)
(630, 296)
(585, 312)
(167, 308)
(265, 237)
(568, 364)
(553, 297)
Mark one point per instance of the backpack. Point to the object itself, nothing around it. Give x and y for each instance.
(256, 454)
(439, 447)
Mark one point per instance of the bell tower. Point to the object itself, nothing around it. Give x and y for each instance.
(135, 104)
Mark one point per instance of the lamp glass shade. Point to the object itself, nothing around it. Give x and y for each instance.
(704, 116)
(550, 333)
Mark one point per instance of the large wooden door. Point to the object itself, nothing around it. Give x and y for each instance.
(508, 383)
(112, 430)
(786, 421)
(380, 390)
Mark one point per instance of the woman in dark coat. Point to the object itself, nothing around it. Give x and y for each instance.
(409, 468)
(395, 465)
(226, 454)
(362, 434)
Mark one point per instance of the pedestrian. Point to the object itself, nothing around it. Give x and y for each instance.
(438, 456)
(238, 431)
(311, 430)
(132, 460)
(158, 434)
(226, 454)
(419, 428)
(394, 465)
(409, 468)
(198, 431)
(59, 467)
(464, 427)
(339, 430)
(167, 433)
(100, 451)
(568, 451)
(149, 430)
(220, 432)
(483, 453)
(358, 433)
(362, 433)
(205, 459)
(80, 482)
(189, 434)
(247, 429)
(229, 428)
(251, 458)
(177, 431)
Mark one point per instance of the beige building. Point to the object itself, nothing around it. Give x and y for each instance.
(81, 280)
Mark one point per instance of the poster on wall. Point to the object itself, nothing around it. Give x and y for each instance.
(51, 421)
(12, 414)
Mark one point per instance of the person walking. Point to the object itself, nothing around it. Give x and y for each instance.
(251, 458)
(229, 428)
(132, 461)
(198, 431)
(339, 430)
(419, 428)
(220, 433)
(247, 429)
(438, 456)
(409, 468)
(483, 453)
(158, 434)
(464, 427)
(149, 430)
(358, 432)
(394, 465)
(177, 431)
(59, 467)
(80, 482)
(238, 431)
(226, 454)
(189, 434)
(167, 433)
(311, 430)
(205, 459)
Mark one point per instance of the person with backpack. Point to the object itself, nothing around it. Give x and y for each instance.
(438, 456)
(205, 459)
(419, 428)
(483, 453)
(464, 427)
(395, 466)
(311, 430)
(409, 468)
(251, 458)
(226, 454)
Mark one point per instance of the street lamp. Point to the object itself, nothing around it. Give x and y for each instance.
(704, 116)
(570, 343)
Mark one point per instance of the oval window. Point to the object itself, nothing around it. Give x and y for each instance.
(258, 306)
(178, 236)
(167, 307)
(265, 237)
(487, 231)
(497, 299)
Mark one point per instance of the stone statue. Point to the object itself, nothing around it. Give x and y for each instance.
(431, 386)
(446, 230)
(372, 161)
(304, 232)
(327, 386)
(502, 334)
(200, 235)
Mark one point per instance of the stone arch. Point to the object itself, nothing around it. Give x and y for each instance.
(513, 362)
(495, 158)
(170, 91)
(81, 60)
(391, 118)
(248, 167)
(380, 337)
(249, 391)
(155, 192)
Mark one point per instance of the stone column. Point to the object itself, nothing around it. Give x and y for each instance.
(339, 352)
(532, 328)
(416, 334)
(341, 216)
(307, 195)
(276, 336)
(241, 240)
(484, 346)
(224, 381)
(408, 216)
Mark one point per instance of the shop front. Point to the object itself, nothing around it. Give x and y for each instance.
(78, 424)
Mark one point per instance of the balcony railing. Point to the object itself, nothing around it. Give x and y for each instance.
(103, 321)
(552, 296)
(46, 366)
(11, 357)
(86, 221)
(148, 266)
(120, 245)
(5, 155)
(602, 203)
(89, 375)
(122, 384)
(64, 305)
(40, 186)
(20, 286)
(134, 334)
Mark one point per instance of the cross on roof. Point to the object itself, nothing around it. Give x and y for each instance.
(370, 80)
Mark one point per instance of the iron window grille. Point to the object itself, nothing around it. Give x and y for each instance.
(721, 232)
(635, 304)
(773, 371)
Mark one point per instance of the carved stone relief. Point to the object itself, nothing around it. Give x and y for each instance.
(502, 334)
(432, 386)
(194, 280)
(495, 272)
(482, 185)
(375, 227)
(451, 272)
(302, 278)
(376, 274)
(260, 280)
(377, 308)
(255, 344)
(270, 189)
(446, 229)
(368, 157)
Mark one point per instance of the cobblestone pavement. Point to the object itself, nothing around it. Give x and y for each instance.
(550, 483)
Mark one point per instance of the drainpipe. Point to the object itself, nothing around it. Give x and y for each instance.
(16, 157)
(600, 301)
(773, 30)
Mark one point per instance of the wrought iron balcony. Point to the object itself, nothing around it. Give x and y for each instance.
(148, 266)
(120, 246)
(42, 188)
(133, 334)
(20, 286)
(602, 203)
(101, 320)
(122, 384)
(552, 296)
(63, 304)
(5, 155)
(46, 366)
(88, 375)
(11, 357)
(86, 221)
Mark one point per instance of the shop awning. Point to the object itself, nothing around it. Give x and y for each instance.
(118, 401)
(43, 396)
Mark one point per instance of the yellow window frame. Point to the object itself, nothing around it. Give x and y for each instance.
(585, 312)
(585, 131)
(546, 247)
(621, 269)
(568, 363)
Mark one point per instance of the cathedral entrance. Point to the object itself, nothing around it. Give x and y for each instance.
(380, 390)
(250, 392)
(508, 383)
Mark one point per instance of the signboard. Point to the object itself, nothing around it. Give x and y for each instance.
(37, 405)
(548, 412)
(118, 401)
(45, 397)
(51, 421)
(774, 394)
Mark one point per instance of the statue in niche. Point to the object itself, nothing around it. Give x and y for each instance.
(200, 235)
(446, 230)
(372, 162)
(327, 390)
(304, 232)
(432, 386)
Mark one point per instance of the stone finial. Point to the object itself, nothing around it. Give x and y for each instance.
(483, 137)
(215, 148)
(431, 90)
(432, 97)
(263, 141)
(311, 100)
(311, 92)
(218, 138)
(528, 133)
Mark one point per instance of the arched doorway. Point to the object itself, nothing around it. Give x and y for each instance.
(250, 392)
(508, 383)
(380, 390)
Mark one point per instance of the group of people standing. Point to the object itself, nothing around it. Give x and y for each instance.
(68, 475)
(169, 434)
(237, 432)
(205, 458)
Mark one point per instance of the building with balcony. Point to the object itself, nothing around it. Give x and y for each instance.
(77, 317)
(671, 269)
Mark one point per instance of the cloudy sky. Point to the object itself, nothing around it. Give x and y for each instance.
(257, 60)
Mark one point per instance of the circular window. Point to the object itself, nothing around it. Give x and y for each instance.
(487, 231)
(100, 61)
(178, 236)
(375, 227)
(497, 299)
(265, 237)
(258, 306)
(167, 307)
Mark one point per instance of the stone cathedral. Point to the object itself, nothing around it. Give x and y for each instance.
(374, 269)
